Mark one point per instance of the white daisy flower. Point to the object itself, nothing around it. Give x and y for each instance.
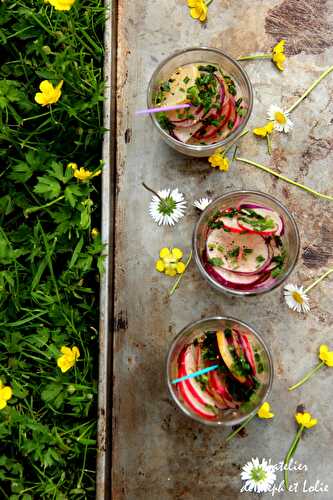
(296, 298)
(259, 477)
(281, 119)
(168, 208)
(202, 203)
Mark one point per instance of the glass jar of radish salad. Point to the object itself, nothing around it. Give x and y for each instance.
(217, 91)
(240, 377)
(246, 243)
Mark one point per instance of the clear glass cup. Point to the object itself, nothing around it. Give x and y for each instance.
(201, 55)
(291, 239)
(187, 336)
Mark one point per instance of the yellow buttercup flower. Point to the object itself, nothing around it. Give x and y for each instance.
(265, 411)
(48, 93)
(83, 175)
(94, 233)
(265, 130)
(325, 355)
(278, 56)
(198, 9)
(169, 262)
(68, 358)
(218, 159)
(305, 419)
(5, 394)
(61, 4)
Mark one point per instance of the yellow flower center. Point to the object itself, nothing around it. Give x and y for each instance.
(298, 297)
(280, 117)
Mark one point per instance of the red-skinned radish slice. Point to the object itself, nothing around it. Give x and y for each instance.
(188, 366)
(249, 354)
(232, 280)
(218, 387)
(193, 404)
(244, 344)
(267, 213)
(184, 134)
(231, 224)
(254, 254)
(253, 206)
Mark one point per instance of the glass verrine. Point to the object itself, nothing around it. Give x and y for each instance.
(276, 265)
(232, 411)
(201, 55)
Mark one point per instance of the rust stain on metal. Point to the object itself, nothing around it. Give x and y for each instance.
(303, 24)
(121, 321)
(128, 135)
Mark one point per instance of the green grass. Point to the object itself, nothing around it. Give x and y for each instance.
(49, 263)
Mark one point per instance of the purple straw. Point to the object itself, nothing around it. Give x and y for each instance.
(161, 108)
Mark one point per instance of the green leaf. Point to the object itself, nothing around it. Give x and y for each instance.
(76, 253)
(21, 172)
(18, 389)
(51, 391)
(48, 187)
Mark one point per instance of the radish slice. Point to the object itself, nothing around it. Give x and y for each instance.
(254, 254)
(230, 279)
(246, 347)
(193, 404)
(218, 387)
(249, 354)
(187, 366)
(184, 134)
(231, 224)
(268, 214)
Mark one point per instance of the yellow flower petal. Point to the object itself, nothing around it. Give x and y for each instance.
(76, 352)
(329, 359)
(264, 411)
(177, 253)
(65, 350)
(195, 13)
(306, 420)
(180, 267)
(3, 403)
(170, 271)
(6, 393)
(159, 266)
(279, 47)
(165, 253)
(265, 130)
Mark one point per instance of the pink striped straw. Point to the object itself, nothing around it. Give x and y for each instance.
(161, 108)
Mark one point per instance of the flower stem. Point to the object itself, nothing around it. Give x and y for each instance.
(256, 56)
(176, 284)
(236, 431)
(313, 86)
(290, 453)
(307, 376)
(269, 144)
(284, 178)
(318, 280)
(209, 2)
(31, 210)
(152, 191)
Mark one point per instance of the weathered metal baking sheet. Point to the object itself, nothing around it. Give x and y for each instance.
(158, 453)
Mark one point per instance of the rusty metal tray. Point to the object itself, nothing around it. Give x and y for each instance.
(157, 453)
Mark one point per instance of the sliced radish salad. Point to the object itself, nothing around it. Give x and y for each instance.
(244, 247)
(230, 387)
(215, 112)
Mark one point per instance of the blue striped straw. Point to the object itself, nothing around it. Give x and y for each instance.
(195, 374)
